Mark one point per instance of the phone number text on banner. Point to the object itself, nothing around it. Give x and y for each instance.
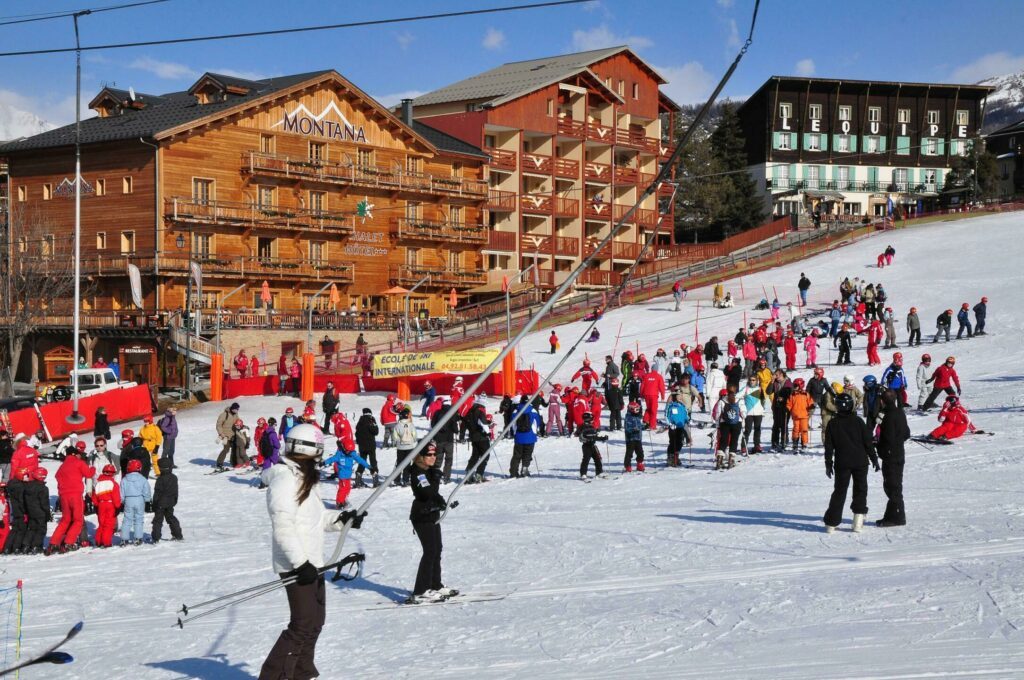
(424, 363)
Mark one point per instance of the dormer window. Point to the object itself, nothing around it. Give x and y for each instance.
(213, 88)
(105, 104)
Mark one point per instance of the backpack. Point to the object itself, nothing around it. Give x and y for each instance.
(264, 445)
(731, 414)
(523, 422)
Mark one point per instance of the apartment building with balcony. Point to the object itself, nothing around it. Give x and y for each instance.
(298, 181)
(847, 146)
(573, 140)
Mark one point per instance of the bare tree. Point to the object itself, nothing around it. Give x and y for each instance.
(38, 284)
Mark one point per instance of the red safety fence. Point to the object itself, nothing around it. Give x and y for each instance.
(526, 381)
(124, 404)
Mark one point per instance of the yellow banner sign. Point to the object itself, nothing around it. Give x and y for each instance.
(423, 363)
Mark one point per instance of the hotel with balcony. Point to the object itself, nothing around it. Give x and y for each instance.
(572, 140)
(847, 146)
(298, 181)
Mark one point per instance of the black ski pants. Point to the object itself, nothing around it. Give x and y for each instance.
(752, 423)
(780, 420)
(675, 440)
(979, 324)
(859, 506)
(369, 454)
(35, 533)
(936, 391)
(168, 451)
(892, 484)
(614, 419)
(16, 538)
(729, 437)
(445, 452)
(844, 356)
(480, 447)
(590, 452)
(633, 447)
(428, 576)
(291, 658)
(915, 337)
(522, 455)
(161, 514)
(327, 419)
(404, 478)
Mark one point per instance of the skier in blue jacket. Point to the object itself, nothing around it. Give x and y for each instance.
(895, 379)
(964, 317)
(634, 427)
(677, 417)
(135, 493)
(429, 394)
(526, 423)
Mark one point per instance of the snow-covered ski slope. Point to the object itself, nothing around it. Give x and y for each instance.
(686, 573)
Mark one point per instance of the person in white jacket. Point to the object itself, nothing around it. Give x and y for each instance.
(715, 383)
(924, 370)
(405, 441)
(298, 521)
(751, 397)
(660, 363)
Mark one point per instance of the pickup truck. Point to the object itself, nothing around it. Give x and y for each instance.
(90, 381)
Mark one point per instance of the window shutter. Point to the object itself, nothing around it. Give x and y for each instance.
(775, 140)
(942, 146)
(853, 143)
(881, 143)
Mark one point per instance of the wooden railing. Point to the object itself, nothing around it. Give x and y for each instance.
(501, 240)
(626, 174)
(373, 176)
(214, 265)
(408, 275)
(620, 211)
(430, 230)
(567, 167)
(502, 159)
(255, 215)
(537, 203)
(572, 127)
(566, 207)
(647, 217)
(596, 277)
(536, 162)
(594, 210)
(600, 133)
(601, 172)
(499, 200)
(566, 245)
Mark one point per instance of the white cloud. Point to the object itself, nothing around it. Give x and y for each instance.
(405, 38)
(601, 36)
(987, 66)
(168, 70)
(687, 84)
(494, 39)
(804, 67)
(394, 99)
(726, 4)
(734, 35)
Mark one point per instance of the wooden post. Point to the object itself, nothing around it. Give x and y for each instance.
(308, 371)
(216, 377)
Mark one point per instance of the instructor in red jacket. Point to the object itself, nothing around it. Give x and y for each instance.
(71, 476)
(944, 378)
(652, 388)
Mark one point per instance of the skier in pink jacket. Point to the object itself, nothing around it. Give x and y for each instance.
(811, 349)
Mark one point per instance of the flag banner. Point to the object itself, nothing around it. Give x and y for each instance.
(135, 277)
(197, 274)
(423, 363)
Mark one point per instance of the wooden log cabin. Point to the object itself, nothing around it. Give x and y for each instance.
(297, 181)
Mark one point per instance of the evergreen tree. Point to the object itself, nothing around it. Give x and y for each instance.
(742, 206)
(977, 170)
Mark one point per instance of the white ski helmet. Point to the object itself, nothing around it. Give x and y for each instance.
(304, 441)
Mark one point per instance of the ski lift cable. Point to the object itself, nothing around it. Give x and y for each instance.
(531, 323)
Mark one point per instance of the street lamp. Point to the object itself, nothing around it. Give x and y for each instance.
(309, 328)
(405, 336)
(508, 300)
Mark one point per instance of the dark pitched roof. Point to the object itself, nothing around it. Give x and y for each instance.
(445, 142)
(163, 112)
(1012, 128)
(517, 78)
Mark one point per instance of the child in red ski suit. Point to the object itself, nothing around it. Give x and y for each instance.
(875, 334)
(106, 496)
(71, 476)
(587, 374)
(652, 388)
(955, 420)
(789, 346)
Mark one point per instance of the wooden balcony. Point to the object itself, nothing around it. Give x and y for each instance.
(595, 210)
(595, 278)
(536, 203)
(566, 245)
(431, 230)
(600, 133)
(572, 128)
(566, 167)
(620, 212)
(409, 275)
(590, 245)
(637, 140)
(348, 174)
(566, 207)
(597, 172)
(536, 163)
(248, 215)
(647, 217)
(630, 251)
(502, 159)
(504, 241)
(626, 175)
(501, 201)
(219, 266)
(665, 149)
(645, 178)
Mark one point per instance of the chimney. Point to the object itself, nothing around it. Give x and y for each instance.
(407, 112)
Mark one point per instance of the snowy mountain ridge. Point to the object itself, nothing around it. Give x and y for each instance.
(16, 122)
(1006, 104)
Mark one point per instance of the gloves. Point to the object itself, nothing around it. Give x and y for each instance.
(148, 507)
(453, 504)
(602, 438)
(874, 464)
(828, 470)
(306, 574)
(2, 525)
(958, 391)
(354, 515)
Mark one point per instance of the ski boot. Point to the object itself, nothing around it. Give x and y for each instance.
(376, 480)
(719, 460)
(829, 530)
(49, 550)
(358, 482)
(858, 523)
(732, 461)
(640, 466)
(628, 468)
(525, 472)
(758, 449)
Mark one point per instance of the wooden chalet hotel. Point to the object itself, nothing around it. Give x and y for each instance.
(572, 140)
(298, 181)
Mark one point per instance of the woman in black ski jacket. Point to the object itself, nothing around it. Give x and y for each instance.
(427, 504)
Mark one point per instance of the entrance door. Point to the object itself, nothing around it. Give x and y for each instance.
(292, 348)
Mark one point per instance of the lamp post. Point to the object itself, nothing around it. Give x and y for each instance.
(220, 306)
(508, 300)
(75, 418)
(405, 336)
(180, 242)
(309, 327)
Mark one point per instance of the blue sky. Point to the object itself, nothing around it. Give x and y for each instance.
(691, 42)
